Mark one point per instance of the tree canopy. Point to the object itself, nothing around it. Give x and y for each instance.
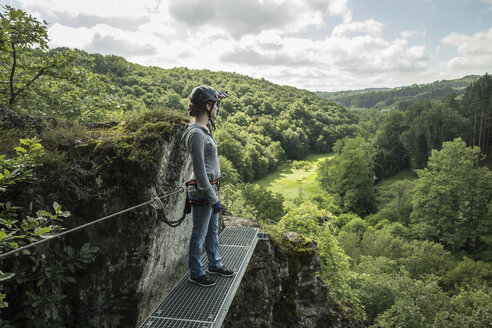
(452, 198)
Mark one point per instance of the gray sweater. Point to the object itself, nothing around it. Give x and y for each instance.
(203, 148)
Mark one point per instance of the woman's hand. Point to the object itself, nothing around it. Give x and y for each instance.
(216, 208)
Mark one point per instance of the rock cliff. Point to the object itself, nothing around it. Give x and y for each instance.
(281, 288)
(104, 169)
(96, 171)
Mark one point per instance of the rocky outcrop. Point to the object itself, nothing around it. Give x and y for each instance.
(281, 288)
(140, 258)
(168, 261)
(108, 168)
(97, 171)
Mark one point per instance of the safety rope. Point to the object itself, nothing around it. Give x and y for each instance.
(154, 199)
(159, 207)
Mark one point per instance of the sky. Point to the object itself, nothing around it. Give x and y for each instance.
(318, 45)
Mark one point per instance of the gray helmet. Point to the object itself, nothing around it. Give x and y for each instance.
(203, 94)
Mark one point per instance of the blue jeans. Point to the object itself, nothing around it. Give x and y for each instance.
(205, 228)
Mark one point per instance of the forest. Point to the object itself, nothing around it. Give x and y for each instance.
(401, 97)
(403, 217)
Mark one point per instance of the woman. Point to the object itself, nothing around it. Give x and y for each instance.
(203, 188)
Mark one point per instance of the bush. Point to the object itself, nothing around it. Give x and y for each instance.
(305, 165)
(318, 225)
(357, 225)
(472, 308)
(38, 277)
(268, 206)
(253, 201)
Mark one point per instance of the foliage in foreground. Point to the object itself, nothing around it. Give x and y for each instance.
(318, 225)
(39, 274)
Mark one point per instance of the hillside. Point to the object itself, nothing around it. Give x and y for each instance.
(401, 97)
(261, 124)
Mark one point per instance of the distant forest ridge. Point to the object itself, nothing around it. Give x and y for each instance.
(400, 97)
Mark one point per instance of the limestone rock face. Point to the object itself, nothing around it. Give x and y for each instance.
(140, 258)
(282, 289)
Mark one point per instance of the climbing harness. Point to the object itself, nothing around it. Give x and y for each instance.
(193, 182)
(201, 202)
(154, 199)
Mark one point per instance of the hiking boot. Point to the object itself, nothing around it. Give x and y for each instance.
(222, 271)
(204, 281)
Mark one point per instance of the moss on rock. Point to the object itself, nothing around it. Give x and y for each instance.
(96, 161)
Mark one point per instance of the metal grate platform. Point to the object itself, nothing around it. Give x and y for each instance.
(192, 306)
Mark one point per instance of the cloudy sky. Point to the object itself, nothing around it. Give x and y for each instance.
(319, 45)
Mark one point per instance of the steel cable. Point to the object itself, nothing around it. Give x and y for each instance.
(4, 255)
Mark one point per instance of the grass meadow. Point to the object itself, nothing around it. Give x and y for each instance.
(295, 183)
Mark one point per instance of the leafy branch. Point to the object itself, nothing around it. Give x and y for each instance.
(41, 274)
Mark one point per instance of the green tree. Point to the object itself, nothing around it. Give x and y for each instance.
(430, 125)
(374, 284)
(350, 173)
(468, 274)
(229, 173)
(356, 225)
(20, 67)
(451, 200)
(472, 308)
(267, 205)
(418, 304)
(393, 201)
(416, 283)
(391, 155)
(39, 81)
(477, 104)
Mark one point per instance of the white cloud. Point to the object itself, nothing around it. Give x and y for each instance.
(369, 26)
(340, 8)
(251, 57)
(408, 34)
(361, 56)
(242, 17)
(489, 2)
(252, 37)
(106, 8)
(65, 36)
(104, 39)
(158, 29)
(475, 51)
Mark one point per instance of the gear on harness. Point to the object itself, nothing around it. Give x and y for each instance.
(159, 207)
(201, 202)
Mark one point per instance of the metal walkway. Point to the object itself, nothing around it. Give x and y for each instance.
(192, 306)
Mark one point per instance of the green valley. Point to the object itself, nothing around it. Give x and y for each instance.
(391, 185)
(295, 180)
